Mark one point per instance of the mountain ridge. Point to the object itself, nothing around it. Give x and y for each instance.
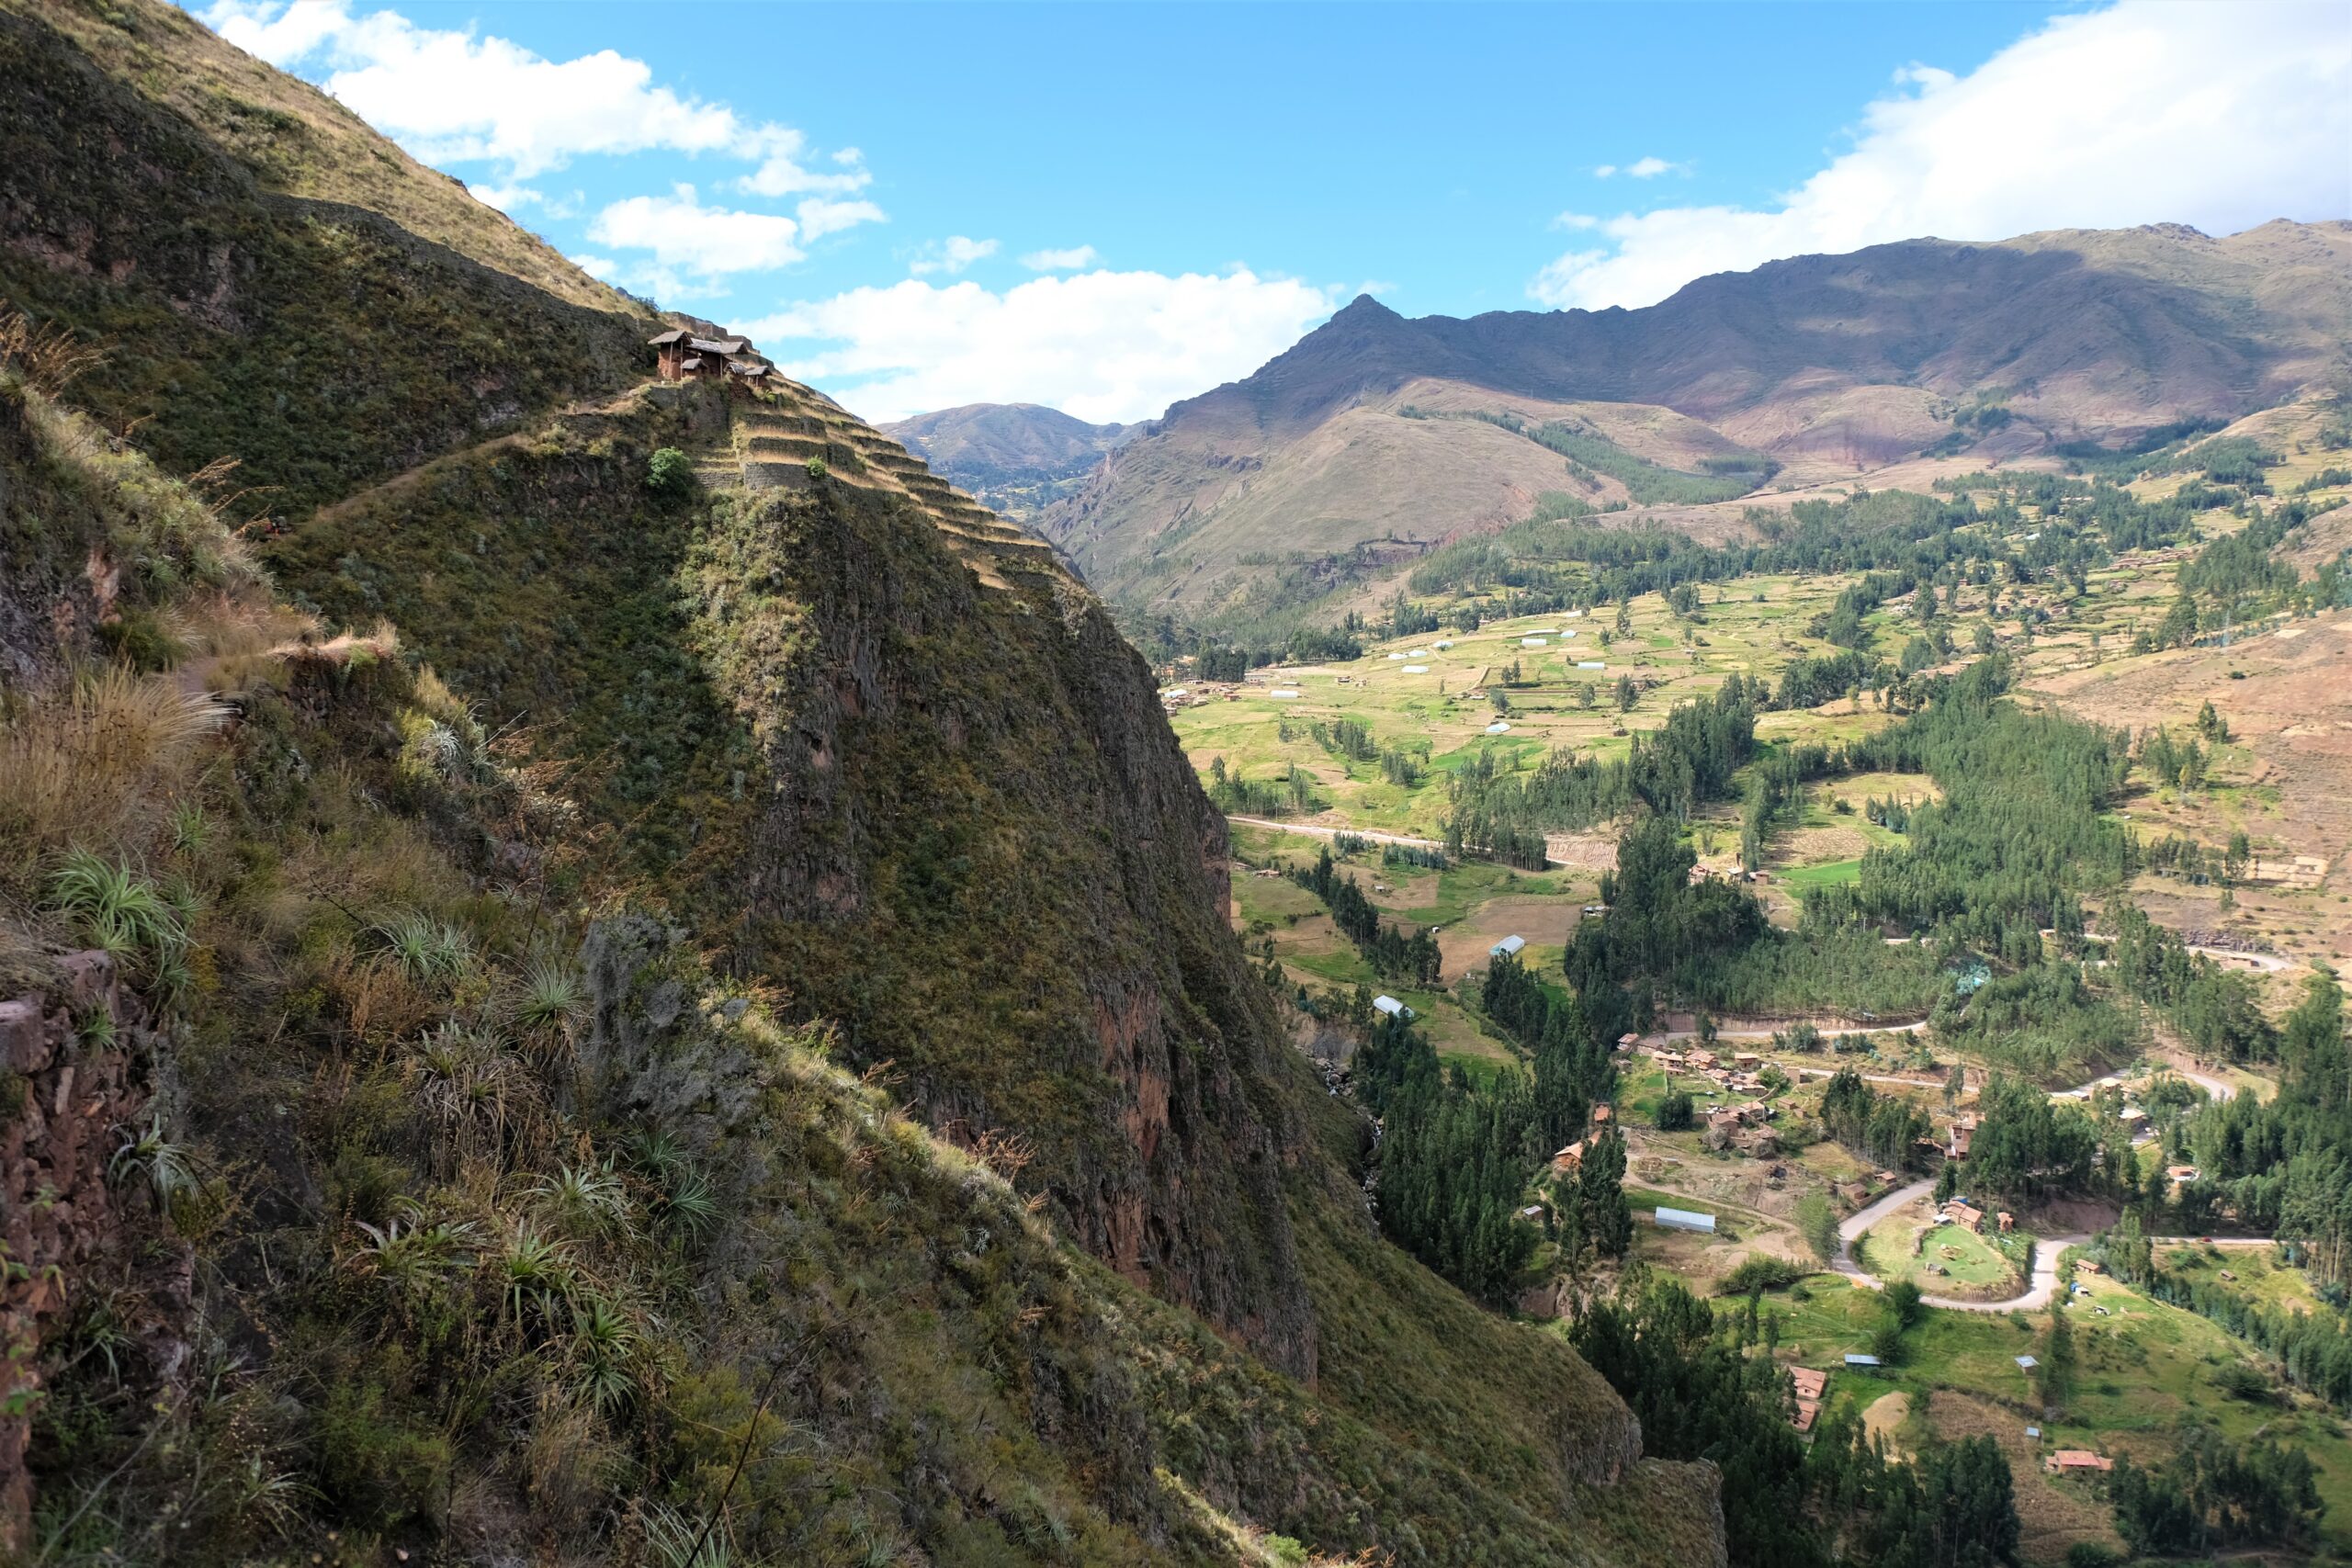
(1016, 457)
(1827, 365)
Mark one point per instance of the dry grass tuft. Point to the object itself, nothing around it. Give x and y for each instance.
(98, 760)
(48, 358)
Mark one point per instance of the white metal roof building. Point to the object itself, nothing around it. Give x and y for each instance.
(1505, 948)
(1684, 1220)
(1391, 1006)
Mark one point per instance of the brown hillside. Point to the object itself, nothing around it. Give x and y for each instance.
(1835, 366)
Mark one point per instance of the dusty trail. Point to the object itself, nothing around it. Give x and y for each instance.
(1312, 831)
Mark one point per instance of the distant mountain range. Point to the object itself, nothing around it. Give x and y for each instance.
(1016, 457)
(1377, 437)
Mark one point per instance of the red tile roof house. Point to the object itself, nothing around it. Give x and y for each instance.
(1809, 1385)
(2076, 1461)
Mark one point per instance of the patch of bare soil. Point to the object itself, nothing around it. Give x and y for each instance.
(1585, 851)
(1546, 921)
(1809, 846)
(2286, 780)
(1883, 1419)
(2052, 1519)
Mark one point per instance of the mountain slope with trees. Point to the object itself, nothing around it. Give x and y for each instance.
(1829, 366)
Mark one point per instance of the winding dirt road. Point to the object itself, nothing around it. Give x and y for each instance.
(2038, 1292)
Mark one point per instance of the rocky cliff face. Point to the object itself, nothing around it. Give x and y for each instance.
(983, 856)
(76, 1056)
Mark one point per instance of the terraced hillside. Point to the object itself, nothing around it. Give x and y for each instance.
(778, 437)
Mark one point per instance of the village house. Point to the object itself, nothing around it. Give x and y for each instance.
(2066, 1462)
(1627, 1042)
(1810, 1386)
(1391, 1007)
(1959, 1213)
(1602, 1115)
(2008, 1221)
(1570, 1159)
(681, 355)
(1748, 1061)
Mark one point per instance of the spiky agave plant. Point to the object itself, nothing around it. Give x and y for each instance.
(585, 1193)
(551, 996)
(470, 1089)
(118, 909)
(535, 1274)
(167, 1168)
(412, 1256)
(679, 1541)
(690, 1205)
(427, 951)
(604, 1349)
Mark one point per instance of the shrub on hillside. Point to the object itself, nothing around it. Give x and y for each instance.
(669, 472)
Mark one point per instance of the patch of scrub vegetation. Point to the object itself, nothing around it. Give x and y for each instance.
(1725, 477)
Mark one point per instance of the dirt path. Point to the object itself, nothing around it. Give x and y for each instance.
(1312, 831)
(1764, 1029)
(2037, 1294)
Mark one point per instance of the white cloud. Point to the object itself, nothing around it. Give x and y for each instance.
(1576, 221)
(459, 96)
(687, 239)
(1076, 258)
(821, 215)
(781, 172)
(951, 255)
(2148, 111)
(1102, 345)
(1604, 171)
(1650, 168)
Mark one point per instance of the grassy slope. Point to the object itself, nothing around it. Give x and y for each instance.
(2146, 1368)
(1013, 1397)
(917, 972)
(237, 248)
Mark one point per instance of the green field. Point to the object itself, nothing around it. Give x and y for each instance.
(2146, 1369)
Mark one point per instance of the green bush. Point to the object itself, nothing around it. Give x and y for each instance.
(1761, 1272)
(139, 640)
(669, 472)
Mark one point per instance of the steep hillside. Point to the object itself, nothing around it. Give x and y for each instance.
(1829, 366)
(258, 276)
(488, 1175)
(658, 972)
(1017, 457)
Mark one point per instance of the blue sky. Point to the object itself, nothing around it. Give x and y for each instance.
(1192, 187)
